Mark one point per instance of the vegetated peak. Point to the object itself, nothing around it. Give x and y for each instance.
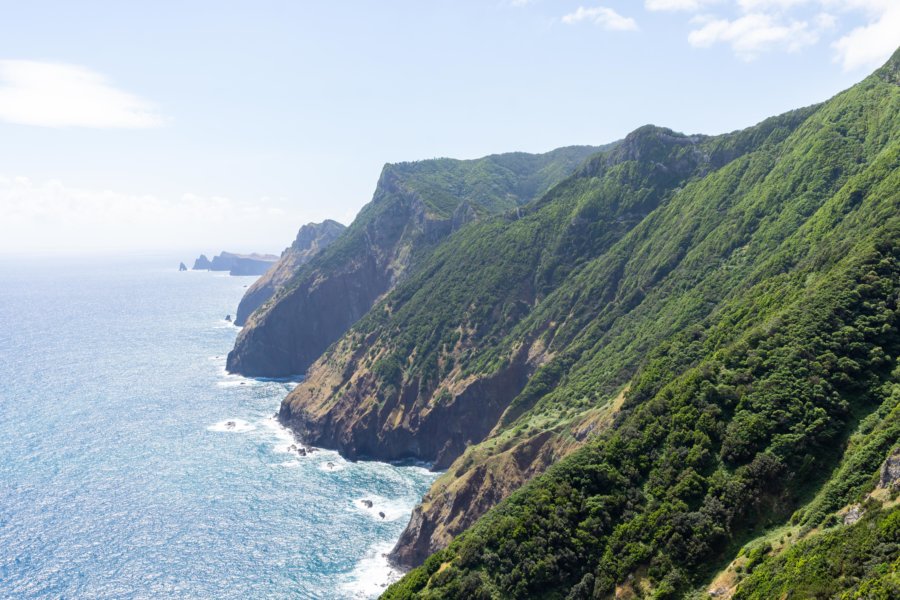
(489, 185)
(890, 71)
(312, 231)
(703, 359)
(649, 145)
(651, 142)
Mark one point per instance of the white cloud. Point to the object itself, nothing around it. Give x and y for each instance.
(825, 21)
(62, 95)
(870, 45)
(752, 34)
(752, 27)
(603, 17)
(770, 5)
(677, 5)
(51, 217)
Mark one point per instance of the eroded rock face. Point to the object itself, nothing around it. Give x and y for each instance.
(890, 471)
(334, 290)
(278, 343)
(853, 514)
(481, 478)
(454, 503)
(414, 208)
(361, 423)
(311, 239)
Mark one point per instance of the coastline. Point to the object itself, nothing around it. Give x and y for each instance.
(375, 571)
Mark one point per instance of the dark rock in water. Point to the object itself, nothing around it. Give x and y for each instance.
(381, 514)
(367, 503)
(182, 267)
(330, 465)
(298, 449)
(228, 318)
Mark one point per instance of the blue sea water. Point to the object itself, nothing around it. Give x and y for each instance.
(119, 477)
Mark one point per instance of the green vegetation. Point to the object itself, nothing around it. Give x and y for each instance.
(501, 283)
(441, 186)
(701, 460)
(414, 208)
(746, 286)
(859, 561)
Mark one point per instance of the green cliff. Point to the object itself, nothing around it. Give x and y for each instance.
(415, 207)
(742, 341)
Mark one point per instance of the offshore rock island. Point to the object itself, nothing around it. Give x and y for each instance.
(659, 367)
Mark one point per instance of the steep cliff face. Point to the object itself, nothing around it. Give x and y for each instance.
(415, 206)
(445, 361)
(311, 239)
(751, 319)
(487, 474)
(498, 355)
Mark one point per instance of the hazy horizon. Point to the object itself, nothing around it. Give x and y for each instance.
(206, 127)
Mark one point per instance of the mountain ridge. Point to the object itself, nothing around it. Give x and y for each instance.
(750, 389)
(632, 373)
(414, 207)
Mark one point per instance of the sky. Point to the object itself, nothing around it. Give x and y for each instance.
(201, 126)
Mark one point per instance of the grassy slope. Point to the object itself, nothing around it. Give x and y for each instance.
(415, 206)
(464, 317)
(848, 562)
(747, 389)
(489, 185)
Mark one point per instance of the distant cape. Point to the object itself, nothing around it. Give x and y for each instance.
(236, 264)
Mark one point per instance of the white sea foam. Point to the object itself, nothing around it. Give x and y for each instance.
(391, 509)
(284, 437)
(372, 574)
(232, 426)
(236, 381)
(332, 466)
(229, 380)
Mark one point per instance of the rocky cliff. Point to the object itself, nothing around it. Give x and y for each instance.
(444, 362)
(311, 239)
(722, 372)
(414, 208)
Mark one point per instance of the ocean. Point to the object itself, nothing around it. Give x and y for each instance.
(133, 466)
